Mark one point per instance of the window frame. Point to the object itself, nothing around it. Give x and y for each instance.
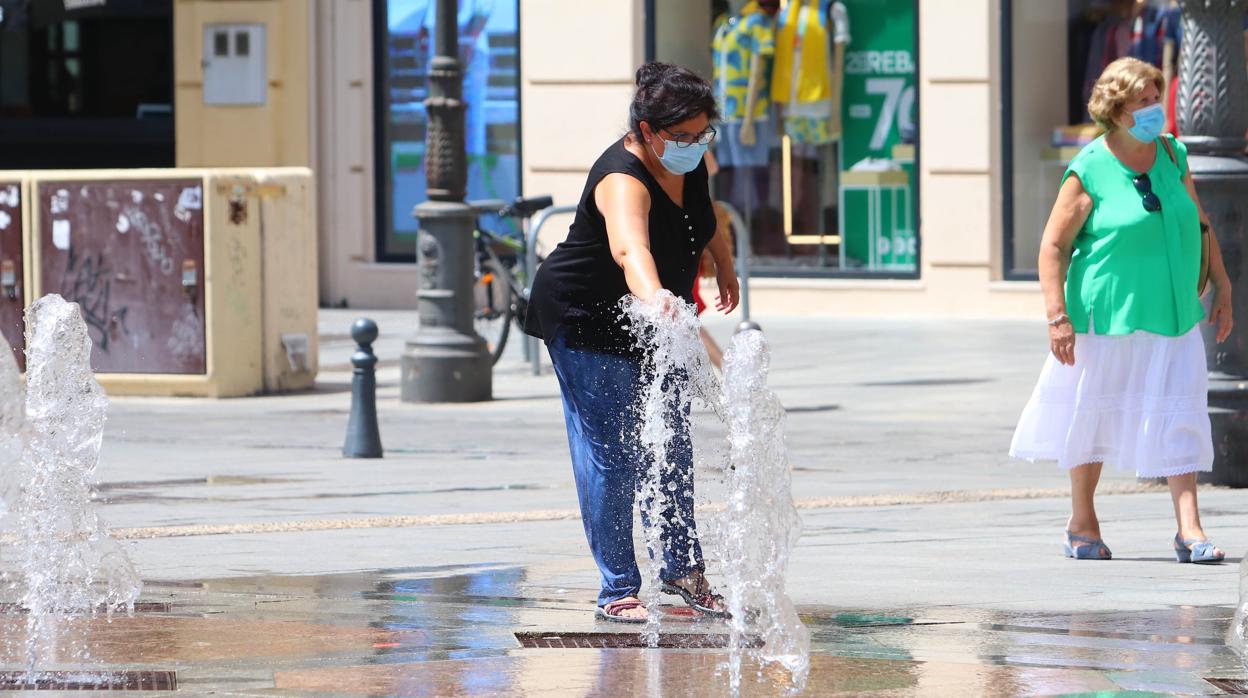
(1009, 267)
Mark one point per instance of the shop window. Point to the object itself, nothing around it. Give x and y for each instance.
(86, 86)
(1052, 53)
(490, 59)
(824, 169)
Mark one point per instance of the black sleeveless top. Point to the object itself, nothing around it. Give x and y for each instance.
(578, 288)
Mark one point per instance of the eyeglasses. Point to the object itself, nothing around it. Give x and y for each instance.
(1144, 186)
(684, 140)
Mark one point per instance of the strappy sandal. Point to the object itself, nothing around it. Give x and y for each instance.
(1201, 552)
(702, 599)
(1094, 550)
(612, 610)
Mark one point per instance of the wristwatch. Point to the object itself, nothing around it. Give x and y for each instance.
(1061, 317)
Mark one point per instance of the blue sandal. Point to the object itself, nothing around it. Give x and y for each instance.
(1201, 552)
(1094, 550)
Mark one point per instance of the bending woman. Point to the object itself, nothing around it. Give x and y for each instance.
(643, 220)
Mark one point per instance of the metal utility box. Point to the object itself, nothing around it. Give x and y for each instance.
(234, 64)
(192, 282)
(124, 252)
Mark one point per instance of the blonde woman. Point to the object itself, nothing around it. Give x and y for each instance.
(1126, 382)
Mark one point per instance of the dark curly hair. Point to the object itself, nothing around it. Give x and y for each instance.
(668, 94)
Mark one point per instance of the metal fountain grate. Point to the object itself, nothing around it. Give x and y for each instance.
(90, 681)
(1235, 687)
(627, 640)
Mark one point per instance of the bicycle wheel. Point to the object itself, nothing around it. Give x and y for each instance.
(492, 311)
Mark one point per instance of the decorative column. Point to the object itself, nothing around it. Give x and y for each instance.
(446, 360)
(1213, 121)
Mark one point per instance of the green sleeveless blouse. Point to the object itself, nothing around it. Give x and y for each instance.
(1132, 270)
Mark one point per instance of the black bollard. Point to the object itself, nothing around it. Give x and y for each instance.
(363, 436)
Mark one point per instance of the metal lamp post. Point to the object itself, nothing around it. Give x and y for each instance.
(1213, 120)
(446, 360)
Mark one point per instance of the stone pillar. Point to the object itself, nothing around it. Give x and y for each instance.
(1213, 121)
(446, 361)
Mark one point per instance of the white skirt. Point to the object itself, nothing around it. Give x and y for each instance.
(1134, 401)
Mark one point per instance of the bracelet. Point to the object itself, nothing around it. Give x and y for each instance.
(1061, 317)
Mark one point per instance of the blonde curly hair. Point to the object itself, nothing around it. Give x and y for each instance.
(1122, 81)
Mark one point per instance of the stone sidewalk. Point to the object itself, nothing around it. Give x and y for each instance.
(897, 432)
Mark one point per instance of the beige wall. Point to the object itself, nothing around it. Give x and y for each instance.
(578, 60)
(273, 134)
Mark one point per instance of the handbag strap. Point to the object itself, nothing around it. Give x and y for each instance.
(1165, 143)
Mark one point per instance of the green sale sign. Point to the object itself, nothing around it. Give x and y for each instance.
(878, 110)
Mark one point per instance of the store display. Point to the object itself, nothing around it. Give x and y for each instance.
(829, 99)
(877, 218)
(808, 72)
(742, 51)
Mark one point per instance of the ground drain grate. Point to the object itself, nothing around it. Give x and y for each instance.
(625, 640)
(90, 681)
(1235, 687)
(139, 607)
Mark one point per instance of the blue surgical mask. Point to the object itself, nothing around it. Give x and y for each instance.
(1149, 123)
(680, 160)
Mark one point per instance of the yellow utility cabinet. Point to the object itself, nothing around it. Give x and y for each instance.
(197, 282)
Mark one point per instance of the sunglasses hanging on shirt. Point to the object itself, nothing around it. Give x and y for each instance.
(1144, 186)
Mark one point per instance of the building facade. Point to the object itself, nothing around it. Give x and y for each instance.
(902, 162)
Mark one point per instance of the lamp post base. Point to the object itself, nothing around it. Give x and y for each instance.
(446, 360)
(441, 365)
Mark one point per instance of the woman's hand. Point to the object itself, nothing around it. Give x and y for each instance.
(1221, 314)
(729, 290)
(1062, 342)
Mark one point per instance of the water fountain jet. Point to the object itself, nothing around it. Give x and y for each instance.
(66, 565)
(759, 525)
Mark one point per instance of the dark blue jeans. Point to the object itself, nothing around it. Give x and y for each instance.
(598, 396)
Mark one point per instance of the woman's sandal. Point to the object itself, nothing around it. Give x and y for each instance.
(1201, 552)
(702, 599)
(612, 610)
(1094, 550)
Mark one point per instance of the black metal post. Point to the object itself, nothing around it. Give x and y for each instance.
(1213, 119)
(363, 434)
(446, 361)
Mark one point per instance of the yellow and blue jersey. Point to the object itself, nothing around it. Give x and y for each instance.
(736, 42)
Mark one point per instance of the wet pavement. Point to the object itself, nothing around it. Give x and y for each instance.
(929, 564)
(454, 633)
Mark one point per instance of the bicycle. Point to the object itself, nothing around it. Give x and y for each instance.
(500, 284)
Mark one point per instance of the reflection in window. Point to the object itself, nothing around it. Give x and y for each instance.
(489, 58)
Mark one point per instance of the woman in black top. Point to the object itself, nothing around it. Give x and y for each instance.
(643, 220)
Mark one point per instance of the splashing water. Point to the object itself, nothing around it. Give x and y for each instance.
(1237, 634)
(760, 524)
(674, 370)
(66, 564)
